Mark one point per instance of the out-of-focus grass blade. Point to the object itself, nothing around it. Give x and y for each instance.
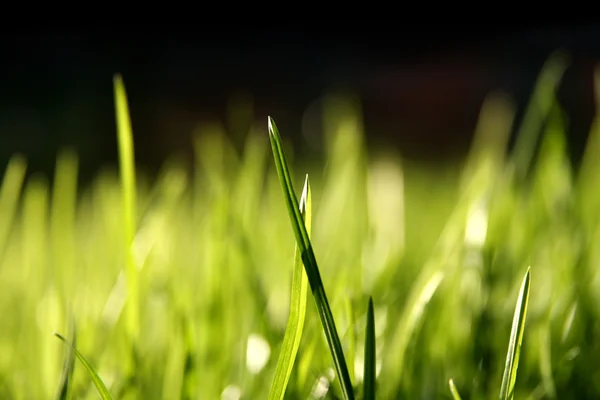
(127, 168)
(370, 358)
(453, 390)
(68, 367)
(516, 338)
(589, 171)
(102, 390)
(537, 110)
(10, 192)
(310, 262)
(295, 324)
(424, 289)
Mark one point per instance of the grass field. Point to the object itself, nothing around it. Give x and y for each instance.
(207, 258)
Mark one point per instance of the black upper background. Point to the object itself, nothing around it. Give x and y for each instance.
(420, 88)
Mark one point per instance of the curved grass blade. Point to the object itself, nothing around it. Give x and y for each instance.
(516, 338)
(295, 323)
(454, 390)
(310, 262)
(102, 390)
(370, 356)
(68, 366)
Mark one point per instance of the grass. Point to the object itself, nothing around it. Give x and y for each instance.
(422, 280)
(295, 324)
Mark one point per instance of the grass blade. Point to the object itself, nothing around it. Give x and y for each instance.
(295, 324)
(127, 168)
(10, 193)
(537, 111)
(453, 390)
(68, 367)
(310, 262)
(516, 338)
(370, 357)
(102, 390)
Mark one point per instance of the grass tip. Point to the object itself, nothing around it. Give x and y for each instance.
(306, 186)
(270, 123)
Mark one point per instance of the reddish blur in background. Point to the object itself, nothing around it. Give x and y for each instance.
(420, 89)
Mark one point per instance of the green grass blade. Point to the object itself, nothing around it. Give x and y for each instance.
(537, 111)
(68, 367)
(453, 390)
(516, 338)
(310, 262)
(370, 357)
(295, 324)
(102, 390)
(351, 335)
(10, 193)
(127, 168)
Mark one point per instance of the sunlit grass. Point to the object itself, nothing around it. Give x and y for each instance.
(441, 251)
(295, 324)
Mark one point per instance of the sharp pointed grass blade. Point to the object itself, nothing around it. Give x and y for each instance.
(68, 367)
(295, 324)
(516, 338)
(453, 390)
(102, 390)
(310, 262)
(370, 356)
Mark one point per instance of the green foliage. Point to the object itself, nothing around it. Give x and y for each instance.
(199, 260)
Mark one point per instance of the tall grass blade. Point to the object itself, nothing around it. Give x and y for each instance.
(537, 111)
(127, 168)
(589, 172)
(295, 324)
(102, 390)
(516, 338)
(453, 390)
(310, 262)
(370, 356)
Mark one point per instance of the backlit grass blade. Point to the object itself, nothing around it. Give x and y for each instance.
(516, 338)
(68, 367)
(10, 193)
(102, 390)
(453, 390)
(295, 324)
(127, 168)
(370, 357)
(537, 111)
(310, 262)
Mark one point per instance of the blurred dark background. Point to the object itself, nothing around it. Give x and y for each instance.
(420, 88)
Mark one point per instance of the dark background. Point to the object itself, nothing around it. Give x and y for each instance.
(420, 89)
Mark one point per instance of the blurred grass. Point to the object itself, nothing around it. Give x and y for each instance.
(441, 250)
